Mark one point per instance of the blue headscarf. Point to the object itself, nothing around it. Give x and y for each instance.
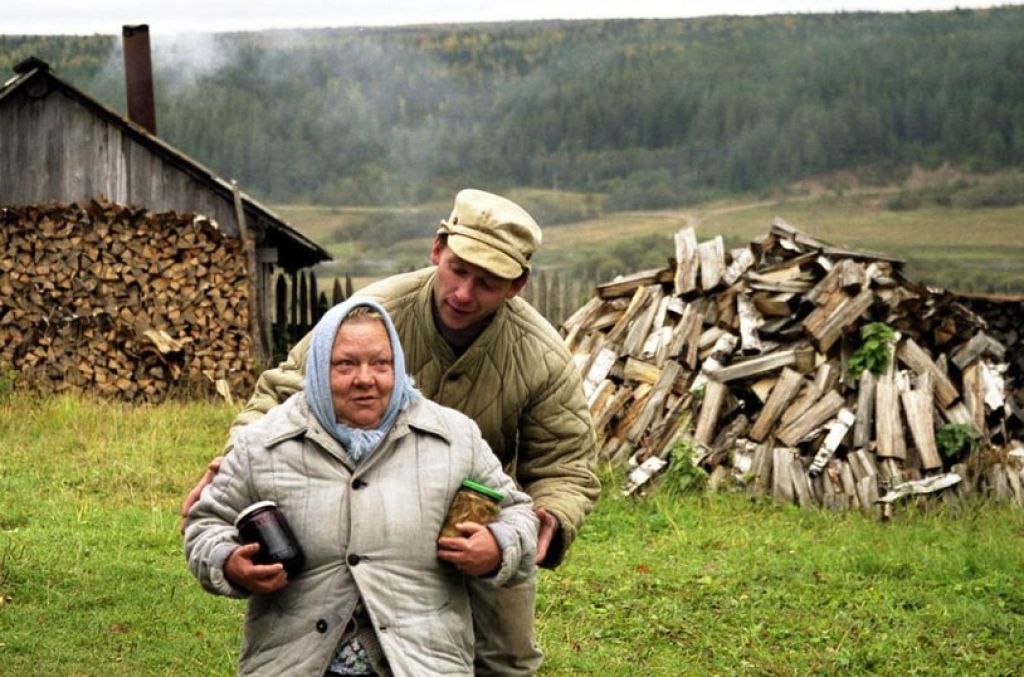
(359, 442)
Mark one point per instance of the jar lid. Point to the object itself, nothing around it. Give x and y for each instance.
(485, 490)
(253, 508)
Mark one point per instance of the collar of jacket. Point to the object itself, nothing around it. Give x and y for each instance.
(300, 421)
(438, 346)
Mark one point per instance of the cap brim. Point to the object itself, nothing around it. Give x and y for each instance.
(488, 258)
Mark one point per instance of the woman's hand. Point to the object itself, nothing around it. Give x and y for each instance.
(476, 553)
(257, 578)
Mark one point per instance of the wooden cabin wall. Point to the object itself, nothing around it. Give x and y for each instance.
(55, 148)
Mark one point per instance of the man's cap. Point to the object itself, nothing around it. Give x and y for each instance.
(492, 232)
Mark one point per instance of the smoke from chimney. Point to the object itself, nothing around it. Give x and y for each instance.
(138, 73)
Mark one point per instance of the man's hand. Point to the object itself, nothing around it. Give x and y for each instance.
(193, 495)
(476, 553)
(258, 578)
(549, 526)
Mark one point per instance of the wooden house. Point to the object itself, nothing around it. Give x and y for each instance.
(57, 143)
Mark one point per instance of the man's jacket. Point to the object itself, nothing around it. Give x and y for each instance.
(517, 381)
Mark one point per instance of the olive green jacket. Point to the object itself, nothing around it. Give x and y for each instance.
(517, 381)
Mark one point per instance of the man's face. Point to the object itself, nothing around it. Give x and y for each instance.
(362, 372)
(466, 294)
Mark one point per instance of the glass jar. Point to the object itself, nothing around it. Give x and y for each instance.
(473, 502)
(265, 524)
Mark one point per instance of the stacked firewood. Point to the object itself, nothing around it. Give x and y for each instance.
(746, 360)
(121, 302)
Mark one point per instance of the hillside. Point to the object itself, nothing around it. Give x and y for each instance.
(647, 113)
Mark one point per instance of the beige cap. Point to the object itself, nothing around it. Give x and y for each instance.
(492, 232)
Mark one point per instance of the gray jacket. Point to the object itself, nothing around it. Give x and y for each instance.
(368, 531)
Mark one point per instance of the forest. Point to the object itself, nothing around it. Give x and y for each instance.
(649, 113)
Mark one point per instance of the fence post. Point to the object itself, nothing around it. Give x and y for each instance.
(555, 299)
(293, 325)
(314, 299)
(303, 304)
(279, 330)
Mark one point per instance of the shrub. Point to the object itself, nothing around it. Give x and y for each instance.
(682, 476)
(953, 439)
(875, 351)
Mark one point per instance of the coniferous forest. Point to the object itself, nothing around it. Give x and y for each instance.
(651, 113)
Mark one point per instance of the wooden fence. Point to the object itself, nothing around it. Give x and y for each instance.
(556, 295)
(299, 302)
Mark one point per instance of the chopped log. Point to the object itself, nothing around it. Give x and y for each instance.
(827, 407)
(603, 418)
(641, 372)
(801, 357)
(832, 325)
(888, 427)
(724, 346)
(837, 429)
(761, 469)
(672, 427)
(980, 345)
(918, 406)
(849, 483)
(750, 320)
(712, 262)
(993, 384)
(600, 366)
(640, 397)
(626, 285)
(775, 305)
(927, 485)
(686, 261)
(656, 345)
(862, 465)
(867, 494)
(163, 341)
(785, 389)
(655, 401)
(912, 355)
(643, 474)
(801, 483)
(711, 407)
(865, 410)
(599, 398)
(782, 474)
(640, 326)
(742, 261)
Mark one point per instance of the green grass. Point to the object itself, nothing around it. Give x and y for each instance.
(93, 580)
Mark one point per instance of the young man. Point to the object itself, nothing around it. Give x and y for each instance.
(472, 344)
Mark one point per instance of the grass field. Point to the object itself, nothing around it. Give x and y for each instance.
(93, 580)
(980, 249)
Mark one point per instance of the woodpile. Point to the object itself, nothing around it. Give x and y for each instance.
(121, 302)
(743, 359)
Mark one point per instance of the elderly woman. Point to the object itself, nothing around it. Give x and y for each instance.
(364, 470)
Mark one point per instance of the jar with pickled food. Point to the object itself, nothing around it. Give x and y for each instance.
(473, 502)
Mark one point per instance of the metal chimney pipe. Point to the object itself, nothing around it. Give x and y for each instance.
(138, 73)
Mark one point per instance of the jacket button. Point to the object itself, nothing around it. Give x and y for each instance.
(358, 484)
(353, 560)
(321, 626)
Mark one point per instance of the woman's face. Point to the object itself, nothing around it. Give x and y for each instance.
(362, 372)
